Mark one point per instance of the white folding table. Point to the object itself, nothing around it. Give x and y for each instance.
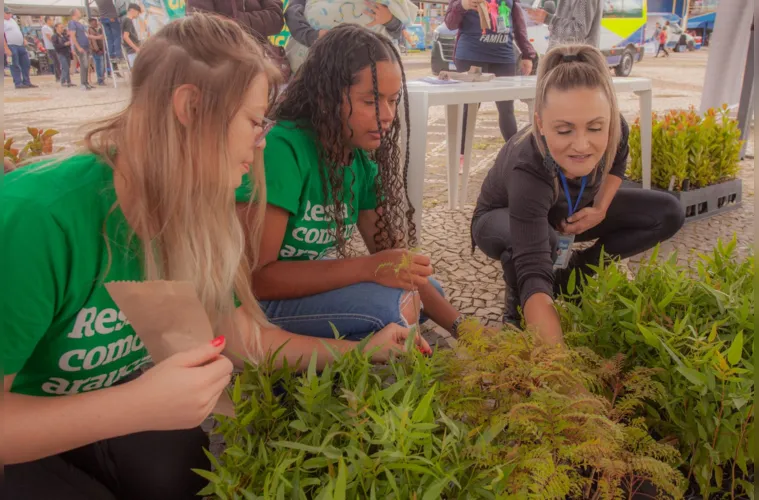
(423, 95)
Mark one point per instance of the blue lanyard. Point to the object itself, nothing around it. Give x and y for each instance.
(572, 208)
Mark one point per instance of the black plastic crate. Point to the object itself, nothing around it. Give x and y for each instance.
(704, 202)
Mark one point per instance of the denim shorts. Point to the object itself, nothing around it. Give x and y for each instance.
(356, 311)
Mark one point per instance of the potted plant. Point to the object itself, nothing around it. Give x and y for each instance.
(696, 158)
(40, 144)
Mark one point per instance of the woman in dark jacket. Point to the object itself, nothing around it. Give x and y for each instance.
(262, 18)
(492, 49)
(62, 46)
(558, 182)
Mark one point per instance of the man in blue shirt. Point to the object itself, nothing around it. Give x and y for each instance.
(80, 43)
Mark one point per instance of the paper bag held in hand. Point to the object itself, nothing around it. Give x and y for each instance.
(168, 318)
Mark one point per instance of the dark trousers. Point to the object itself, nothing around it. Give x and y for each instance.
(52, 56)
(20, 65)
(660, 49)
(65, 62)
(99, 60)
(145, 466)
(636, 221)
(507, 122)
(112, 30)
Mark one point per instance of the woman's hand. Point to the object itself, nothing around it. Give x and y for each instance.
(526, 67)
(385, 264)
(380, 14)
(587, 218)
(181, 391)
(391, 339)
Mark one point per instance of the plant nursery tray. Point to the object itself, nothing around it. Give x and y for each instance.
(704, 202)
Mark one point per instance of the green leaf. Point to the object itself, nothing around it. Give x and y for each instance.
(694, 376)
(342, 479)
(667, 299)
(571, 282)
(435, 491)
(312, 365)
(298, 425)
(210, 476)
(735, 352)
(420, 413)
(237, 391)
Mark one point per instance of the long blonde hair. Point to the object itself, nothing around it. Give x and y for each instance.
(179, 176)
(567, 67)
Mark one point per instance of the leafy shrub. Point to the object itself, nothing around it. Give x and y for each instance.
(697, 332)
(685, 146)
(430, 428)
(40, 144)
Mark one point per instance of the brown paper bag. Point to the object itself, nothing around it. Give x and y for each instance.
(169, 318)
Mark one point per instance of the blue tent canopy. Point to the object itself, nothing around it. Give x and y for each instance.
(704, 21)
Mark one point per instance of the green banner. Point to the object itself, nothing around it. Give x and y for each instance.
(174, 8)
(281, 38)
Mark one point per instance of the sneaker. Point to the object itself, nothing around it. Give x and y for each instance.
(90, 87)
(69, 85)
(102, 84)
(31, 86)
(86, 87)
(21, 87)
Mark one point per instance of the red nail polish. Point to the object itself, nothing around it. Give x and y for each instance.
(218, 341)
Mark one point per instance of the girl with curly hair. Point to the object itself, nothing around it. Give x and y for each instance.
(333, 165)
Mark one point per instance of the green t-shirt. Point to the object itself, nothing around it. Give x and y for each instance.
(62, 334)
(294, 183)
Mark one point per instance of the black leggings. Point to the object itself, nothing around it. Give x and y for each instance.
(142, 466)
(506, 119)
(636, 221)
(662, 47)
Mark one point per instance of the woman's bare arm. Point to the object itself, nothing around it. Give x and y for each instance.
(436, 307)
(277, 279)
(36, 427)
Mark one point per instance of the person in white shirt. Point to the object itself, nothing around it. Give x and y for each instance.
(47, 39)
(15, 49)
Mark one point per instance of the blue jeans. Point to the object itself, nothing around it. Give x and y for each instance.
(112, 30)
(356, 311)
(99, 66)
(65, 68)
(20, 65)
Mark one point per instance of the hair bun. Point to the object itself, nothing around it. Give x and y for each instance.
(570, 58)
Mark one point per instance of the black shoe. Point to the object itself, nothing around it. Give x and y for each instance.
(31, 86)
(511, 310)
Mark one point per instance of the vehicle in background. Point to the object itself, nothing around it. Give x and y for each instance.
(677, 39)
(623, 35)
(443, 43)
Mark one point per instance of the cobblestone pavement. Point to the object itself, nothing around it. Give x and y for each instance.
(472, 281)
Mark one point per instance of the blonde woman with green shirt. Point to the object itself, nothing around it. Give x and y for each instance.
(152, 197)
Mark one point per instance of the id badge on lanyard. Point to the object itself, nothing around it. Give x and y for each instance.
(564, 248)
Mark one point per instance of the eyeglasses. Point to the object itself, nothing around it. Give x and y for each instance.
(266, 126)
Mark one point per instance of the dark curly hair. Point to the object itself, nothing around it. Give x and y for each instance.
(315, 97)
